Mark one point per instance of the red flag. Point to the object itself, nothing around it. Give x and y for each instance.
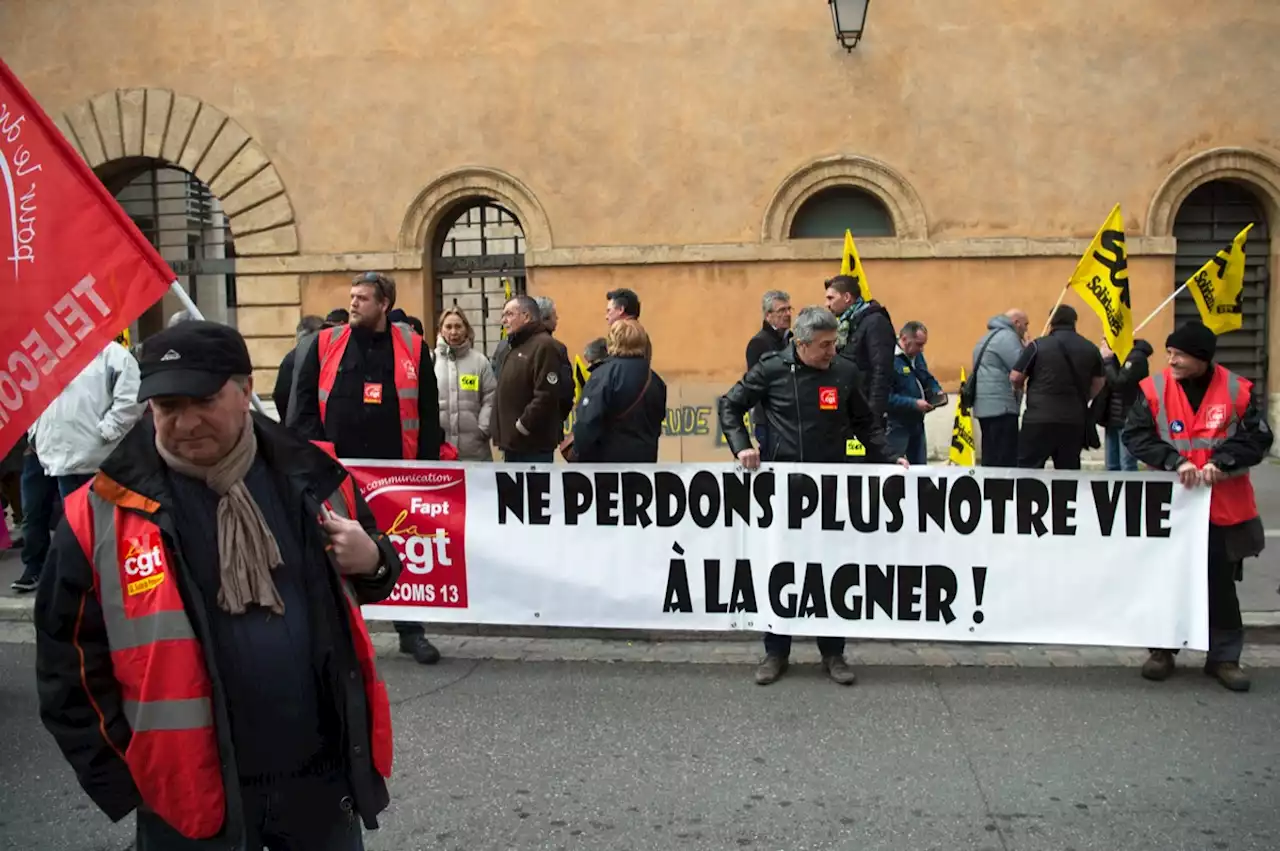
(74, 269)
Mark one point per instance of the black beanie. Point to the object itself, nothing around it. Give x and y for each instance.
(1194, 339)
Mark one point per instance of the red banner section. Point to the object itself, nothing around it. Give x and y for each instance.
(74, 270)
(424, 512)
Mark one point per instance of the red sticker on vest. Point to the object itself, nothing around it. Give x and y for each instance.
(372, 393)
(828, 398)
(142, 560)
(1215, 416)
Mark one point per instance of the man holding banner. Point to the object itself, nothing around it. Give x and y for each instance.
(813, 409)
(1203, 421)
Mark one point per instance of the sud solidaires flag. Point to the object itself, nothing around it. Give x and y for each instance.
(74, 270)
(851, 264)
(962, 448)
(1217, 285)
(1102, 280)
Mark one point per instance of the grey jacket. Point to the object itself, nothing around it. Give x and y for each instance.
(466, 388)
(995, 394)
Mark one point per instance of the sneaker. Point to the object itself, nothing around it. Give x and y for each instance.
(27, 582)
(770, 668)
(422, 650)
(1159, 665)
(838, 670)
(1229, 674)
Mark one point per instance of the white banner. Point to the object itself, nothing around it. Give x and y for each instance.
(863, 551)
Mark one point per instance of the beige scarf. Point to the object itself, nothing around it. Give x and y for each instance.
(247, 551)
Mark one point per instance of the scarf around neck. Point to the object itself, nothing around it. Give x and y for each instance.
(247, 551)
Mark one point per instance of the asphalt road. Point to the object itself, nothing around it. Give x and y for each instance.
(493, 755)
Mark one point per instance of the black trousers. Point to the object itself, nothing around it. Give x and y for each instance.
(999, 440)
(1041, 442)
(300, 814)
(1226, 626)
(780, 645)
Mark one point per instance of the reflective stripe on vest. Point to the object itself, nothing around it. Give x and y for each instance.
(1183, 443)
(407, 350)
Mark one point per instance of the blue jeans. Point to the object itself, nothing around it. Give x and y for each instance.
(908, 439)
(40, 512)
(529, 457)
(1118, 457)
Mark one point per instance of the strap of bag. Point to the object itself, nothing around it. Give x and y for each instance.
(982, 351)
(1081, 392)
(639, 398)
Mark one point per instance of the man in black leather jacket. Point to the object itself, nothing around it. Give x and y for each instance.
(814, 412)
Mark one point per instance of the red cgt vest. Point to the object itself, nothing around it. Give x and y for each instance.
(1196, 434)
(168, 697)
(407, 347)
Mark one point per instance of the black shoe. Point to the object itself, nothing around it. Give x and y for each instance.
(422, 650)
(27, 582)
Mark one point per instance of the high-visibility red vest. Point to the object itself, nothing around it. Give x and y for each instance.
(1196, 434)
(173, 752)
(407, 347)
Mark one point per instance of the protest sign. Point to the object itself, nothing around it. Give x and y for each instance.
(865, 551)
(74, 269)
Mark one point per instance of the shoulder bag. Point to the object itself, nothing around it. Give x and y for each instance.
(567, 451)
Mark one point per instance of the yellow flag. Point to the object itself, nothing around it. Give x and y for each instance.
(962, 433)
(1217, 287)
(851, 264)
(506, 297)
(580, 376)
(124, 338)
(1102, 280)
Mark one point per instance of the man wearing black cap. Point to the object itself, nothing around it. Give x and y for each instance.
(200, 652)
(1062, 372)
(1202, 420)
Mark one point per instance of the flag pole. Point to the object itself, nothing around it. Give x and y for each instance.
(1055, 307)
(190, 307)
(1162, 306)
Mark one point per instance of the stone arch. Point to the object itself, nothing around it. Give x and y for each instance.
(1258, 171)
(140, 125)
(442, 196)
(864, 173)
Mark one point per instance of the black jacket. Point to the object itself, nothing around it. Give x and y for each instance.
(870, 347)
(1246, 448)
(1117, 397)
(73, 661)
(799, 429)
(767, 339)
(356, 429)
(601, 432)
(284, 385)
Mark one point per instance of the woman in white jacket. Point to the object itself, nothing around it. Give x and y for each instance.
(89, 418)
(466, 387)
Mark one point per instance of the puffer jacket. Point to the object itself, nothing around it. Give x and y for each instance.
(867, 339)
(995, 394)
(91, 415)
(466, 388)
(811, 413)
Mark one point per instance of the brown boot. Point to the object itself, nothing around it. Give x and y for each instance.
(838, 670)
(1159, 665)
(1229, 674)
(770, 669)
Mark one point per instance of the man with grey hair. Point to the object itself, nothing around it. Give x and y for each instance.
(773, 336)
(550, 321)
(529, 410)
(913, 392)
(815, 414)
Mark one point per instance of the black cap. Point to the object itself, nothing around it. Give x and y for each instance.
(1195, 339)
(192, 359)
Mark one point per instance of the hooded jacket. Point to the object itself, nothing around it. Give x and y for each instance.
(91, 415)
(467, 388)
(996, 395)
(811, 413)
(869, 342)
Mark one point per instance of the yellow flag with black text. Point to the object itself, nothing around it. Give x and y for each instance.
(1102, 280)
(851, 264)
(962, 449)
(506, 297)
(580, 376)
(1217, 285)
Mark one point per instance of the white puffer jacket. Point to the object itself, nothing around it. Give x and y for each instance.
(466, 387)
(91, 415)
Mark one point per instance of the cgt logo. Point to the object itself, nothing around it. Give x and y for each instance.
(143, 563)
(19, 203)
(828, 398)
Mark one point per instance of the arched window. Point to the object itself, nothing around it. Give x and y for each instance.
(479, 253)
(830, 212)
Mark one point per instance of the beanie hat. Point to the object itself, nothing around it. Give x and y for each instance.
(1195, 339)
